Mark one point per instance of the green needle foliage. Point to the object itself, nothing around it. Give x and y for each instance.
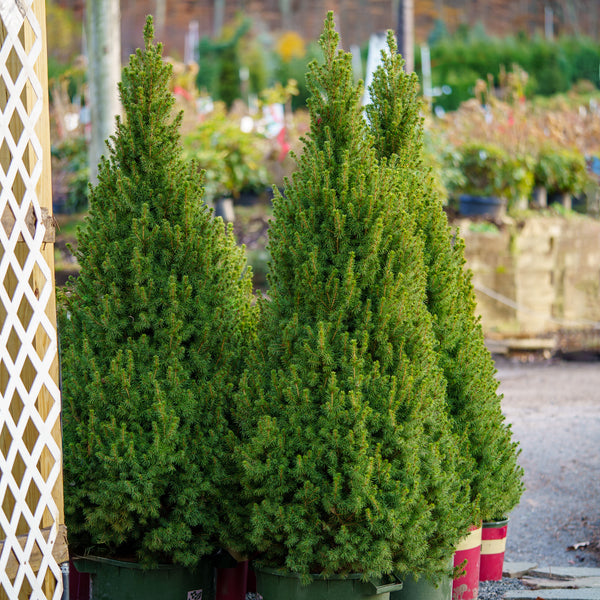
(346, 446)
(153, 334)
(475, 406)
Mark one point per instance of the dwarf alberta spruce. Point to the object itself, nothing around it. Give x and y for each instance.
(153, 334)
(475, 410)
(347, 451)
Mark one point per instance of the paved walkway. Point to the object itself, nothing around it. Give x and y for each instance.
(554, 583)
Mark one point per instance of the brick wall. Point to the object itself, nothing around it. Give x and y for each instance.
(356, 19)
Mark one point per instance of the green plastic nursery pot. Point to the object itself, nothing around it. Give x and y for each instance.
(273, 584)
(119, 580)
(423, 589)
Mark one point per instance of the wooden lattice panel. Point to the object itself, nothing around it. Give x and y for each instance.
(30, 453)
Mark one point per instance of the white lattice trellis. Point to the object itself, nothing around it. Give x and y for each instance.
(30, 453)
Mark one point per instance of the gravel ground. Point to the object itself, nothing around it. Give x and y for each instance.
(554, 409)
(494, 590)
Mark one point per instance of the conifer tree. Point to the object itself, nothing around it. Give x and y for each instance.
(473, 400)
(346, 447)
(153, 336)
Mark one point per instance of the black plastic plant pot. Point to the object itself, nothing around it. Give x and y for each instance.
(120, 580)
(481, 206)
(273, 584)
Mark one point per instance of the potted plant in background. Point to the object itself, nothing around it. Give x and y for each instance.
(492, 180)
(153, 334)
(484, 168)
(233, 160)
(518, 179)
(347, 453)
(444, 159)
(561, 172)
(474, 405)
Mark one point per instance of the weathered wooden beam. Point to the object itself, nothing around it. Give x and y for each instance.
(8, 222)
(60, 551)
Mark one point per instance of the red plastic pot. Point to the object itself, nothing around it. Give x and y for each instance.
(466, 586)
(232, 583)
(79, 584)
(493, 545)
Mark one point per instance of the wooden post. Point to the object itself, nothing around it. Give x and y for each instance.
(218, 17)
(45, 199)
(103, 40)
(405, 33)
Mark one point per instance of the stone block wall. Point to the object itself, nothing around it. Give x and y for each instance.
(536, 276)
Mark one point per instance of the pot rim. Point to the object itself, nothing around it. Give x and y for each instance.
(496, 524)
(280, 572)
(127, 564)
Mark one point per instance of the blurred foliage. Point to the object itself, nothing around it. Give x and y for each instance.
(438, 33)
(444, 160)
(505, 117)
(503, 144)
(483, 167)
(496, 86)
(296, 68)
(70, 156)
(219, 63)
(561, 171)
(257, 59)
(65, 64)
(64, 34)
(459, 60)
(280, 94)
(268, 60)
(232, 159)
(488, 170)
(484, 227)
(290, 44)
(517, 174)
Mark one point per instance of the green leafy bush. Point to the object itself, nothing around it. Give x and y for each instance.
(219, 64)
(561, 171)
(548, 68)
(518, 178)
(153, 333)
(483, 167)
(460, 60)
(583, 56)
(232, 159)
(489, 171)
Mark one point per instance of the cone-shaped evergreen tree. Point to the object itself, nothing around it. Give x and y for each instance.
(475, 406)
(153, 335)
(347, 451)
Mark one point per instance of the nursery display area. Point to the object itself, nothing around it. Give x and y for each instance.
(340, 437)
(274, 378)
